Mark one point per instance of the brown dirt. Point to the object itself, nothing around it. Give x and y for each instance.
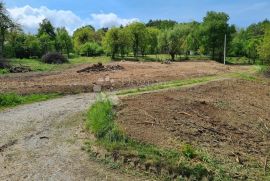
(228, 118)
(133, 74)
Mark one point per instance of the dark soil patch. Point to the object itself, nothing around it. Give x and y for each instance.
(101, 68)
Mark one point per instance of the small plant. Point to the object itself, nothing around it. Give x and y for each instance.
(189, 151)
(54, 58)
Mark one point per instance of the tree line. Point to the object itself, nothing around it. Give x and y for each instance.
(140, 39)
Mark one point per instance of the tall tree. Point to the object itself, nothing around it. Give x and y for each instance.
(264, 48)
(161, 24)
(5, 24)
(174, 41)
(153, 34)
(110, 42)
(46, 27)
(139, 37)
(83, 35)
(63, 40)
(214, 27)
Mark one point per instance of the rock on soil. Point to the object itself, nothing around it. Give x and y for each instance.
(101, 68)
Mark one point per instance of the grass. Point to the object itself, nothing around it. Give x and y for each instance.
(185, 162)
(13, 99)
(166, 85)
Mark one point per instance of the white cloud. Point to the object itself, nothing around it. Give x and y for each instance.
(29, 18)
(110, 20)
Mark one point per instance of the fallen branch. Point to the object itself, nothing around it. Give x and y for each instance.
(185, 113)
(147, 122)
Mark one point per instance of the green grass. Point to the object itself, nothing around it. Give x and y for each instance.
(13, 99)
(187, 161)
(166, 85)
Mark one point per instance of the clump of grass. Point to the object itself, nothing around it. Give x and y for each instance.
(13, 99)
(189, 151)
(101, 123)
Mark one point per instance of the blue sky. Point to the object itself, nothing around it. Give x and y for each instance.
(99, 12)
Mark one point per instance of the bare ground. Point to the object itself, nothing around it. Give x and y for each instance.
(134, 74)
(43, 141)
(228, 118)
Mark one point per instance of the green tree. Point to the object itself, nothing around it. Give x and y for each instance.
(46, 43)
(91, 49)
(153, 34)
(33, 45)
(139, 37)
(46, 27)
(214, 27)
(5, 24)
(264, 48)
(83, 35)
(161, 24)
(174, 41)
(63, 41)
(110, 42)
(124, 41)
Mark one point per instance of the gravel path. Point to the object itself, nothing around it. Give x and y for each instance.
(42, 141)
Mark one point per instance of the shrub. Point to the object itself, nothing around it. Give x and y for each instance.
(54, 58)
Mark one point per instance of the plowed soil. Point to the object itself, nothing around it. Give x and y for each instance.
(133, 74)
(228, 118)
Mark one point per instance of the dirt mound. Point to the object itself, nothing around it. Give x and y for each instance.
(101, 68)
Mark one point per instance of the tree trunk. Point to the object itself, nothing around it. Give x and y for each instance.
(2, 39)
(173, 56)
(213, 53)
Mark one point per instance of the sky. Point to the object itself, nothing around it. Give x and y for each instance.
(107, 13)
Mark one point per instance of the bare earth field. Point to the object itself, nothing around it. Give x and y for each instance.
(134, 74)
(229, 118)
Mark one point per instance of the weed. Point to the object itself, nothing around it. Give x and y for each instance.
(188, 151)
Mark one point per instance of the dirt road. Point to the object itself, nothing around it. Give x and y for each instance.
(43, 141)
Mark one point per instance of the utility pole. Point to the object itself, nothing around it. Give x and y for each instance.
(225, 44)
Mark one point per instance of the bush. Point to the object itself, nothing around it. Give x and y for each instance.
(54, 58)
(91, 49)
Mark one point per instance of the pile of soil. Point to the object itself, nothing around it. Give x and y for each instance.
(101, 68)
